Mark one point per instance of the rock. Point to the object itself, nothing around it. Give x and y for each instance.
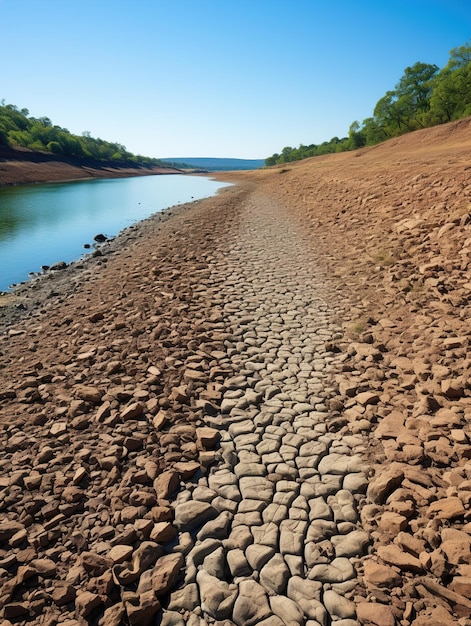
(367, 397)
(207, 438)
(335, 463)
(88, 393)
(95, 564)
(144, 557)
(132, 411)
(251, 605)
(217, 528)
(86, 602)
(461, 585)
(287, 610)
(15, 610)
(352, 544)
(63, 594)
(258, 555)
(216, 564)
(141, 608)
(374, 614)
(163, 576)
(338, 606)
(120, 553)
(113, 615)
(274, 575)
(172, 618)
(163, 532)
(60, 265)
(166, 484)
(238, 563)
(187, 598)
(217, 596)
(393, 555)
(392, 523)
(338, 571)
(46, 568)
(192, 514)
(378, 575)
(446, 508)
(8, 528)
(383, 485)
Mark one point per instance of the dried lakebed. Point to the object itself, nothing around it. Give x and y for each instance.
(282, 539)
(166, 431)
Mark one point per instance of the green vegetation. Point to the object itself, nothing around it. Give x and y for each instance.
(425, 96)
(39, 134)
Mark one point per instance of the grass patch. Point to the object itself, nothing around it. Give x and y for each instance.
(384, 258)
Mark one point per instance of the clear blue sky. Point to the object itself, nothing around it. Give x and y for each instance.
(222, 78)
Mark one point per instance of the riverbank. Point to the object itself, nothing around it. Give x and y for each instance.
(23, 167)
(305, 331)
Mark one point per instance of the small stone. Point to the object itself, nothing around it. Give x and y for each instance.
(274, 575)
(120, 553)
(163, 532)
(392, 523)
(132, 411)
(88, 393)
(217, 596)
(86, 602)
(63, 594)
(338, 571)
(163, 576)
(338, 606)
(375, 614)
(95, 564)
(385, 483)
(189, 515)
(446, 508)
(166, 484)
(207, 438)
(287, 610)
(352, 544)
(238, 563)
(393, 555)
(251, 605)
(378, 575)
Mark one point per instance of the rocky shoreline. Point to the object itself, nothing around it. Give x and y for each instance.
(252, 409)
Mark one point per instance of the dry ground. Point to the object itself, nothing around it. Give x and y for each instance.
(390, 226)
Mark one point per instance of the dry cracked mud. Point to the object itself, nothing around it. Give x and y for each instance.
(252, 409)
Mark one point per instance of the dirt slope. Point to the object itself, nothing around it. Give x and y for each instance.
(116, 364)
(22, 166)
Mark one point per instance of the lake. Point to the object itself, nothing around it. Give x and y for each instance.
(47, 223)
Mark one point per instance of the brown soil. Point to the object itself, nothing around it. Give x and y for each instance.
(391, 227)
(21, 166)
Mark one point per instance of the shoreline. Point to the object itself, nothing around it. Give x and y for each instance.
(61, 282)
(23, 167)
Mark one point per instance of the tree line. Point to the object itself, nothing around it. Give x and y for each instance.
(17, 128)
(425, 96)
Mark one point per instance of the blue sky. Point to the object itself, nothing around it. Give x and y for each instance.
(220, 78)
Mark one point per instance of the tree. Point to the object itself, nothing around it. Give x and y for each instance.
(451, 96)
(356, 136)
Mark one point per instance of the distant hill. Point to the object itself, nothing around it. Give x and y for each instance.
(216, 165)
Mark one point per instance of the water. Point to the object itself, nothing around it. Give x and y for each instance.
(44, 224)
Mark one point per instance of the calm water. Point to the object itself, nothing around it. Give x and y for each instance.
(44, 224)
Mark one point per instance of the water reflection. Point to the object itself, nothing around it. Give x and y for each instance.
(43, 224)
